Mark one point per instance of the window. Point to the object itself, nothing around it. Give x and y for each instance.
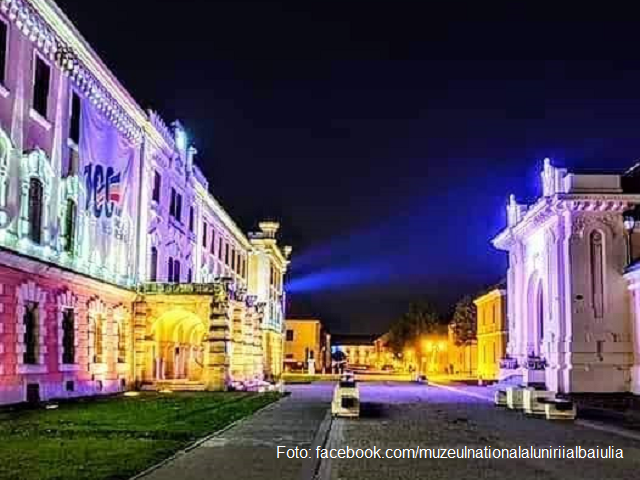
(176, 271)
(204, 234)
(74, 121)
(191, 219)
(220, 248)
(597, 273)
(233, 260)
(42, 78)
(3, 50)
(157, 185)
(68, 337)
(30, 320)
(226, 254)
(172, 203)
(70, 227)
(122, 342)
(170, 270)
(178, 212)
(35, 210)
(189, 276)
(213, 242)
(289, 335)
(98, 340)
(153, 270)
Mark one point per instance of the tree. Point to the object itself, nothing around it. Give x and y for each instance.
(420, 319)
(464, 321)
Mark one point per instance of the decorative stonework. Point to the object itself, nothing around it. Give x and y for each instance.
(97, 309)
(31, 24)
(67, 301)
(31, 293)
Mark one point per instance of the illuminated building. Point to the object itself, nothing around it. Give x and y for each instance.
(118, 267)
(568, 306)
(360, 350)
(491, 332)
(307, 345)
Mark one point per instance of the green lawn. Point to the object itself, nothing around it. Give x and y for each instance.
(115, 437)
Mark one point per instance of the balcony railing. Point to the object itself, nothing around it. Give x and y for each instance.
(536, 363)
(154, 288)
(509, 363)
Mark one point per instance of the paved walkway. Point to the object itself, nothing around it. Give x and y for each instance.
(248, 450)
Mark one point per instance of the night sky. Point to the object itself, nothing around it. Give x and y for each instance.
(384, 138)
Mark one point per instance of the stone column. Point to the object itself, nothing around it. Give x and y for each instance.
(139, 342)
(237, 362)
(258, 353)
(248, 345)
(216, 362)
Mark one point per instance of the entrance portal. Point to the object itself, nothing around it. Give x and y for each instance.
(177, 349)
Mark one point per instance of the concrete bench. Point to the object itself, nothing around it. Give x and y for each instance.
(500, 398)
(558, 409)
(514, 398)
(346, 400)
(532, 400)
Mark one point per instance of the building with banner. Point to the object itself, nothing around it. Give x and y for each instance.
(119, 268)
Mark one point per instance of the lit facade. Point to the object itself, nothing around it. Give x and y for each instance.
(491, 332)
(306, 342)
(570, 322)
(119, 267)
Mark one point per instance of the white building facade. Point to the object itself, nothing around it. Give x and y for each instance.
(570, 316)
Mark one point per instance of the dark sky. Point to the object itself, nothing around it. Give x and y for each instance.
(386, 139)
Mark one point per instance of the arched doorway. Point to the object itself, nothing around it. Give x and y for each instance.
(177, 350)
(535, 316)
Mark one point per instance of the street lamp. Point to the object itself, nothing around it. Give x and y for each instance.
(629, 222)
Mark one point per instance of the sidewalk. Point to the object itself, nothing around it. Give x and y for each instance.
(248, 450)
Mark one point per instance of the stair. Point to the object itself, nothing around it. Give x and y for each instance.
(176, 385)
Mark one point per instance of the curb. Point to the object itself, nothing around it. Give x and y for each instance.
(310, 469)
(202, 440)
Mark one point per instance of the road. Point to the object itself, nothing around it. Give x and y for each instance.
(404, 415)
(398, 415)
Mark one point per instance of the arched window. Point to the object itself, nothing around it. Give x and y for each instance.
(70, 227)
(35, 210)
(122, 341)
(597, 273)
(68, 337)
(540, 302)
(98, 340)
(153, 267)
(30, 320)
(170, 270)
(176, 271)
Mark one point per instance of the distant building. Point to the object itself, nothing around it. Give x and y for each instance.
(573, 324)
(359, 349)
(492, 332)
(307, 345)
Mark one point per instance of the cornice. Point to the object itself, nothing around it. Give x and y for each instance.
(546, 207)
(209, 200)
(46, 25)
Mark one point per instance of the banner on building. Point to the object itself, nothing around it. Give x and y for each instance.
(106, 165)
(107, 162)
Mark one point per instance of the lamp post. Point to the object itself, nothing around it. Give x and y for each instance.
(629, 222)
